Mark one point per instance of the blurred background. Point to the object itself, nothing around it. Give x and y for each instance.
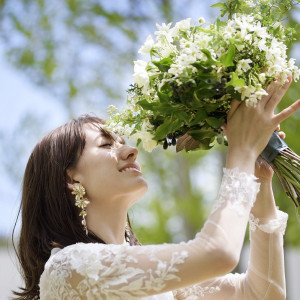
(63, 58)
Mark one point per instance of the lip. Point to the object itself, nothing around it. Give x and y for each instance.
(131, 165)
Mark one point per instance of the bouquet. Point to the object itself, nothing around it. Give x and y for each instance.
(182, 93)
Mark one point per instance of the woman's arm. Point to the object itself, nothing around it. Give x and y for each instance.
(265, 277)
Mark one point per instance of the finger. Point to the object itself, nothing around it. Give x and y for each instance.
(277, 128)
(277, 96)
(281, 134)
(287, 112)
(233, 107)
(271, 88)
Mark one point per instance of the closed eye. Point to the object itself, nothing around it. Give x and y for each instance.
(106, 145)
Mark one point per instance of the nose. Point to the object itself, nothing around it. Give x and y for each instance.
(128, 153)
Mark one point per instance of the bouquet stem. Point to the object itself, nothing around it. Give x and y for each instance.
(286, 165)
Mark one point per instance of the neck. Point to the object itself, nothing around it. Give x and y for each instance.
(108, 224)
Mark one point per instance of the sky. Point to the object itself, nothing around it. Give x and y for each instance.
(19, 96)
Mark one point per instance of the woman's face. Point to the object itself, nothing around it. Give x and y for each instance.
(108, 170)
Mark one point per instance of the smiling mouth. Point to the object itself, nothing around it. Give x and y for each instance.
(130, 169)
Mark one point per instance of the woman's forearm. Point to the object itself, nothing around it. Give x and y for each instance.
(265, 207)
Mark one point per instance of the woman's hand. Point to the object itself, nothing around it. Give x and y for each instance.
(263, 170)
(249, 129)
(264, 206)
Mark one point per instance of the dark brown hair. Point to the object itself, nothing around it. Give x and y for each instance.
(49, 216)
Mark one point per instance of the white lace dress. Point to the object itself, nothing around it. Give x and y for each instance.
(187, 271)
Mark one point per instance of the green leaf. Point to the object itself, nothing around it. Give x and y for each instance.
(214, 122)
(203, 93)
(146, 105)
(199, 116)
(219, 4)
(235, 81)
(205, 144)
(210, 59)
(211, 107)
(163, 97)
(168, 126)
(164, 64)
(182, 115)
(227, 58)
(202, 134)
(138, 142)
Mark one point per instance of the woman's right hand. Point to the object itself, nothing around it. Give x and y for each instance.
(249, 129)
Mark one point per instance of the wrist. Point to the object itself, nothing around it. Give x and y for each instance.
(243, 159)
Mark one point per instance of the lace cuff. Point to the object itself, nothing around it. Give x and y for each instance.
(237, 188)
(272, 226)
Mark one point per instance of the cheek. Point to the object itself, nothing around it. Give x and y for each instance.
(101, 178)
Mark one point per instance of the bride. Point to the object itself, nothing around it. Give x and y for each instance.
(76, 241)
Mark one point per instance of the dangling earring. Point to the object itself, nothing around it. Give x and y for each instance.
(81, 202)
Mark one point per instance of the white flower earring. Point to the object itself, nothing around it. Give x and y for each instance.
(81, 202)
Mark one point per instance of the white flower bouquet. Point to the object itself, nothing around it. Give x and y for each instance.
(182, 93)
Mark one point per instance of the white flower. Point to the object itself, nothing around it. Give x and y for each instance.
(244, 64)
(250, 3)
(245, 90)
(201, 20)
(167, 49)
(296, 73)
(118, 128)
(140, 75)
(183, 25)
(164, 31)
(146, 136)
(229, 32)
(251, 101)
(112, 109)
(262, 45)
(148, 45)
(259, 93)
(240, 47)
(262, 77)
(261, 31)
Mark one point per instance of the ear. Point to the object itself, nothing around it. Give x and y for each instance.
(70, 186)
(70, 180)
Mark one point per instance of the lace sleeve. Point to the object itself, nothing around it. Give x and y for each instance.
(264, 278)
(93, 271)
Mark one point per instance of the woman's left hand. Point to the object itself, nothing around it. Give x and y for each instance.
(264, 206)
(263, 171)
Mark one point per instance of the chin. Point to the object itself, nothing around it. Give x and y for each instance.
(139, 192)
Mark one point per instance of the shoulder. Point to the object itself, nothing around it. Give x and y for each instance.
(84, 253)
(77, 263)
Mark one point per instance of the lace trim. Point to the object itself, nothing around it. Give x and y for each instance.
(273, 226)
(237, 188)
(196, 291)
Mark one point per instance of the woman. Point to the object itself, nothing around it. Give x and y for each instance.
(80, 181)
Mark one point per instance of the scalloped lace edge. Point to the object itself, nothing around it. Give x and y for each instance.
(237, 188)
(272, 226)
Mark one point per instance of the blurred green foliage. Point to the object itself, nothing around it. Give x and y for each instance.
(82, 52)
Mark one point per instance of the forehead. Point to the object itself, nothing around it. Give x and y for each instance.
(94, 132)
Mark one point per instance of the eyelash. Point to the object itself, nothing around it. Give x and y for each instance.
(107, 144)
